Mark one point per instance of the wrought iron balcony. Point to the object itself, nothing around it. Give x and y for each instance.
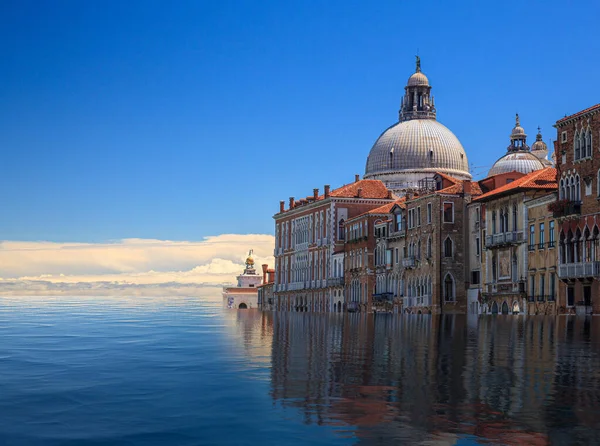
(564, 208)
(579, 270)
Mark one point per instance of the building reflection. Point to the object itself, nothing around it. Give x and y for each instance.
(389, 378)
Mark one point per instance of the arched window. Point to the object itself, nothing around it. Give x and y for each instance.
(501, 221)
(493, 222)
(505, 220)
(515, 273)
(429, 247)
(342, 235)
(449, 288)
(448, 247)
(577, 196)
(514, 222)
(494, 269)
(577, 150)
(419, 249)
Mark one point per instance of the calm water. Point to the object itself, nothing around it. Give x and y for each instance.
(182, 372)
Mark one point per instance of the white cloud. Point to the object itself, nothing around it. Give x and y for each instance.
(139, 264)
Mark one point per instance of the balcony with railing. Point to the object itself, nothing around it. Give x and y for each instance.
(335, 281)
(580, 270)
(504, 238)
(409, 262)
(564, 208)
(417, 301)
(383, 297)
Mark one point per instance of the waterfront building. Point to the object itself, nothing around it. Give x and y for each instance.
(542, 255)
(245, 294)
(435, 257)
(475, 255)
(578, 210)
(417, 146)
(518, 157)
(506, 267)
(265, 291)
(309, 233)
(389, 244)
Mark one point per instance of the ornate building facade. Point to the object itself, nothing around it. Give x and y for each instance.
(578, 210)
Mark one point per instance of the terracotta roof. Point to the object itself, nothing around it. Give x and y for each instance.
(544, 179)
(370, 189)
(582, 112)
(385, 209)
(448, 177)
(459, 188)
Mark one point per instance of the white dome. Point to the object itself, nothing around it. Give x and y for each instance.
(524, 162)
(416, 148)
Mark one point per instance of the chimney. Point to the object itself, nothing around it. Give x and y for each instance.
(281, 206)
(467, 187)
(327, 191)
(291, 203)
(316, 194)
(356, 178)
(264, 268)
(389, 195)
(359, 192)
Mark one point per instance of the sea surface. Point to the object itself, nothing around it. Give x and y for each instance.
(182, 371)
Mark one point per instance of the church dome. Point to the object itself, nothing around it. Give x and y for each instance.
(417, 146)
(539, 145)
(524, 162)
(418, 79)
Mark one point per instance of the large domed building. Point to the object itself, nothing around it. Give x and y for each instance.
(518, 157)
(418, 146)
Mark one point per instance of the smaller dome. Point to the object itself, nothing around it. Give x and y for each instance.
(539, 144)
(518, 132)
(249, 261)
(524, 162)
(418, 80)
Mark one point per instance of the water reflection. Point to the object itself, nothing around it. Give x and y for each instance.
(507, 380)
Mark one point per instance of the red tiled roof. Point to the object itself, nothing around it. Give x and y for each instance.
(370, 189)
(459, 188)
(385, 209)
(582, 112)
(539, 179)
(448, 177)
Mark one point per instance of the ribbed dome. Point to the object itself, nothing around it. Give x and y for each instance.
(524, 162)
(418, 79)
(420, 146)
(518, 131)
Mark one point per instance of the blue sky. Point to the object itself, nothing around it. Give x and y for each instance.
(180, 120)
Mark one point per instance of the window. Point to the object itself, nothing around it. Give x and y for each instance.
(542, 237)
(419, 216)
(397, 256)
(341, 230)
(493, 222)
(477, 247)
(532, 286)
(494, 269)
(514, 215)
(398, 222)
(428, 213)
(531, 237)
(551, 234)
(429, 247)
(552, 286)
(563, 137)
(570, 296)
(477, 215)
(449, 288)
(448, 247)
(448, 212)
(542, 285)
(411, 218)
(588, 186)
(475, 277)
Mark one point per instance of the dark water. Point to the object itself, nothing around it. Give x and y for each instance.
(99, 371)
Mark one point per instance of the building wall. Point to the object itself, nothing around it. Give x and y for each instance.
(542, 257)
(475, 245)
